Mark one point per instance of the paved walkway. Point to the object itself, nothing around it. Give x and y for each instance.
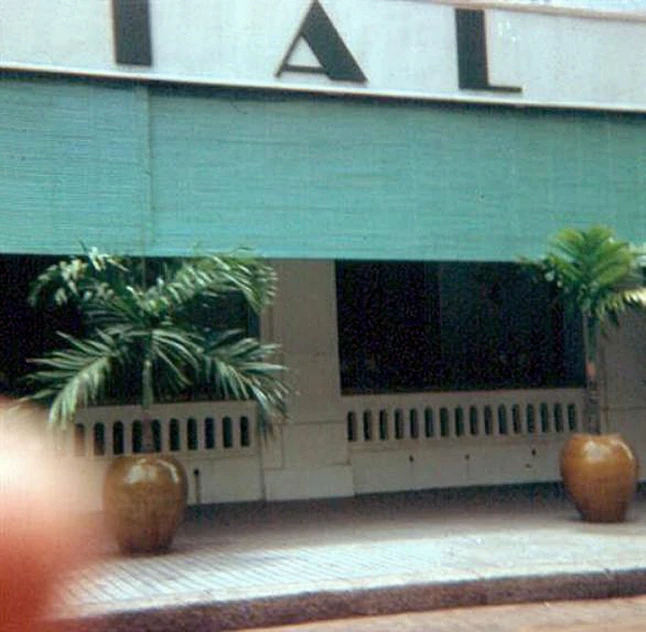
(242, 566)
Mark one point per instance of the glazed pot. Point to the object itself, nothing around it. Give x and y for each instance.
(600, 475)
(144, 499)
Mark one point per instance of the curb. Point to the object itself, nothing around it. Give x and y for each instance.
(326, 605)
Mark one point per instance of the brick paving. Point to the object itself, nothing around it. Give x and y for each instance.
(236, 566)
(614, 615)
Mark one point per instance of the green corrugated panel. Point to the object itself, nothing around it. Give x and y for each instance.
(170, 171)
(342, 179)
(73, 166)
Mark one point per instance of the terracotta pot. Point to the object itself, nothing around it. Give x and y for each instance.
(600, 475)
(144, 499)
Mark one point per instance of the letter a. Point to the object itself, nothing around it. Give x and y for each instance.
(324, 41)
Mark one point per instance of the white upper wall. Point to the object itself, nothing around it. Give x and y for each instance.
(621, 6)
(405, 48)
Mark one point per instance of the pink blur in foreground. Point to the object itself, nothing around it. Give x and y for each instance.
(41, 533)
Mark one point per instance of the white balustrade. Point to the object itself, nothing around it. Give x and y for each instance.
(186, 429)
(389, 420)
(424, 440)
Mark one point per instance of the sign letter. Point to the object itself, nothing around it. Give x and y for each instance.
(324, 41)
(473, 72)
(131, 24)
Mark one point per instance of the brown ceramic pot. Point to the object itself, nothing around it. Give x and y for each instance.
(144, 499)
(600, 476)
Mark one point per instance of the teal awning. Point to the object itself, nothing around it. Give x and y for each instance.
(171, 171)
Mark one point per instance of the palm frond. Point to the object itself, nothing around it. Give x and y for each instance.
(75, 376)
(594, 271)
(636, 297)
(151, 329)
(175, 354)
(239, 369)
(213, 277)
(598, 277)
(92, 277)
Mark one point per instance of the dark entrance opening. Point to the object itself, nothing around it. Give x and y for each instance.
(420, 326)
(26, 332)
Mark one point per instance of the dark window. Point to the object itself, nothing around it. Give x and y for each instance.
(384, 319)
(27, 332)
(413, 326)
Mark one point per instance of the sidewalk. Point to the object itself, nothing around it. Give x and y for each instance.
(244, 566)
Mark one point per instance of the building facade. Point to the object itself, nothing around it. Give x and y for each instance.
(416, 149)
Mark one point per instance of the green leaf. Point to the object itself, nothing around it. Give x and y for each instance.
(239, 369)
(598, 277)
(140, 322)
(75, 376)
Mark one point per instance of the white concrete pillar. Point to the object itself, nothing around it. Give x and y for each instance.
(308, 457)
(623, 389)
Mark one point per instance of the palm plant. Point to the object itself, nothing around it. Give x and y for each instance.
(598, 277)
(140, 319)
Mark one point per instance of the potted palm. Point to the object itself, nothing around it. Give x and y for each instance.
(141, 322)
(597, 277)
